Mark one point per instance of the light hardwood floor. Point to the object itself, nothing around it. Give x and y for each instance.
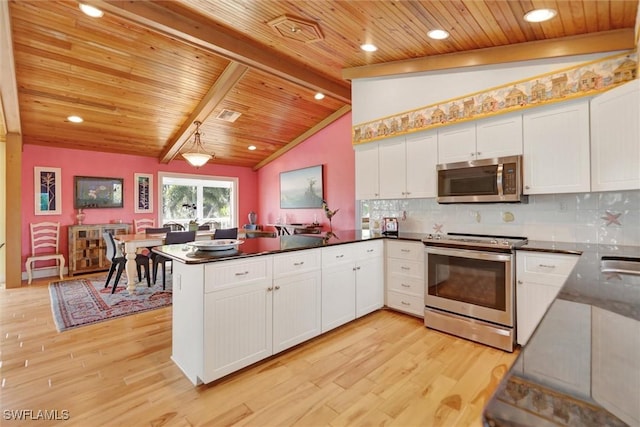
(383, 369)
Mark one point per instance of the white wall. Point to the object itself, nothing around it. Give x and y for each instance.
(376, 98)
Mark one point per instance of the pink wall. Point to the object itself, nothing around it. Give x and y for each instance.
(90, 163)
(332, 148)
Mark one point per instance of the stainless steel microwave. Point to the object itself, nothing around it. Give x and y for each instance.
(478, 181)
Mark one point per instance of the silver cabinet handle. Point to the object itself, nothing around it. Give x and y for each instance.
(405, 250)
(369, 250)
(527, 187)
(405, 268)
(269, 289)
(357, 268)
(519, 282)
(354, 269)
(478, 153)
(244, 273)
(405, 303)
(298, 263)
(277, 287)
(546, 266)
(340, 256)
(405, 285)
(472, 154)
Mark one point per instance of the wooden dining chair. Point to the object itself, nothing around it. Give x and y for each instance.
(45, 245)
(141, 224)
(226, 233)
(119, 261)
(173, 237)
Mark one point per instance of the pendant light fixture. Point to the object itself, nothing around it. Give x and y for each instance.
(197, 156)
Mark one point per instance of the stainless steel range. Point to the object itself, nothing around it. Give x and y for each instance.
(470, 286)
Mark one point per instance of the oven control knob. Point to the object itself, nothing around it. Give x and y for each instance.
(438, 237)
(429, 236)
(493, 241)
(505, 243)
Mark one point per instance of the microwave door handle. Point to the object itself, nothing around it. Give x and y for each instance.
(499, 179)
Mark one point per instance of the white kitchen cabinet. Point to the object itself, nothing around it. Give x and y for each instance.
(408, 166)
(338, 286)
(352, 282)
(615, 139)
(296, 298)
(369, 269)
(366, 171)
(457, 143)
(481, 139)
(556, 148)
(499, 136)
(616, 366)
(237, 315)
(405, 276)
(422, 159)
(392, 175)
(559, 355)
(539, 277)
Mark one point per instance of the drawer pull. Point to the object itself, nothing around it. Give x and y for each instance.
(405, 285)
(269, 289)
(405, 250)
(519, 282)
(244, 273)
(546, 266)
(405, 268)
(298, 263)
(405, 303)
(370, 250)
(340, 256)
(277, 287)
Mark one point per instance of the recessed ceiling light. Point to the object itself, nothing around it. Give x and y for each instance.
(539, 15)
(319, 96)
(251, 147)
(368, 47)
(75, 119)
(438, 34)
(91, 11)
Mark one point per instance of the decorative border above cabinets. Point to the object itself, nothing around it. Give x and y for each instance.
(578, 81)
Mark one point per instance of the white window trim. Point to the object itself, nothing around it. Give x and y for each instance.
(235, 195)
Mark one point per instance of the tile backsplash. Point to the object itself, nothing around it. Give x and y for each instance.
(607, 217)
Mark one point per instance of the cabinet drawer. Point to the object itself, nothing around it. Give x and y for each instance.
(401, 267)
(296, 262)
(550, 269)
(407, 285)
(229, 273)
(405, 250)
(364, 250)
(407, 303)
(336, 255)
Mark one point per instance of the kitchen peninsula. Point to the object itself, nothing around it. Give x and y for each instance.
(235, 307)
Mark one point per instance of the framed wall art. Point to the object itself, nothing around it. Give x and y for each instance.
(302, 188)
(96, 192)
(143, 198)
(47, 184)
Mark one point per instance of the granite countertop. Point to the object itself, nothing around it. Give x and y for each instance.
(582, 365)
(272, 245)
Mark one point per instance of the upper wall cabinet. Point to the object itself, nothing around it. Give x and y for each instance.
(615, 139)
(482, 139)
(556, 148)
(367, 186)
(397, 168)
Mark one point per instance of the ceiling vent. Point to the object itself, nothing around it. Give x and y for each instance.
(228, 116)
(297, 29)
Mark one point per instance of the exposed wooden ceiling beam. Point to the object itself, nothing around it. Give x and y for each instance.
(172, 19)
(317, 128)
(10, 108)
(216, 94)
(604, 41)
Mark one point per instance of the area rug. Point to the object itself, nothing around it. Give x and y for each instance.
(81, 302)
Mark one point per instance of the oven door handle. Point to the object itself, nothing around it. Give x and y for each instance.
(460, 253)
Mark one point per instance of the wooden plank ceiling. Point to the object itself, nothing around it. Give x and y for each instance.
(141, 74)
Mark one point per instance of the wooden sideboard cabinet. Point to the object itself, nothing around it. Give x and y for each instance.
(87, 252)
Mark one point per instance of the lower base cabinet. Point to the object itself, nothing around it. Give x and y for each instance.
(405, 277)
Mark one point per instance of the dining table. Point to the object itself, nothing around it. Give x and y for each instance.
(133, 242)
